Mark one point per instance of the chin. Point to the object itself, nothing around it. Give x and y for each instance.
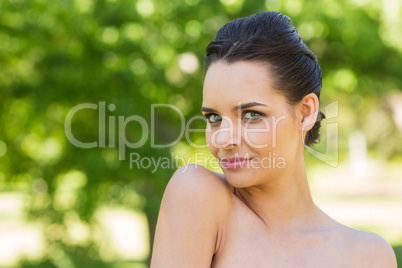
(251, 176)
(241, 178)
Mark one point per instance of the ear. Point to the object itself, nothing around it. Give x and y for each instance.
(308, 108)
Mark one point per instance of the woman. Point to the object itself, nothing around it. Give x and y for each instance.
(261, 100)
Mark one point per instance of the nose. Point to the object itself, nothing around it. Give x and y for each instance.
(227, 135)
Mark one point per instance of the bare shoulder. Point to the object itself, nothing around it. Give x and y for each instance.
(201, 187)
(198, 180)
(368, 249)
(191, 218)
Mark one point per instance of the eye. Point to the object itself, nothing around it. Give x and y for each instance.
(213, 118)
(252, 115)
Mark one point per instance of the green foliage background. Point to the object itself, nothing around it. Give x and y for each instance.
(55, 55)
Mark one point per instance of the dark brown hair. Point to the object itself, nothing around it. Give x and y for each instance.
(270, 37)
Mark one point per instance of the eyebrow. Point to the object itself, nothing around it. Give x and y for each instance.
(240, 107)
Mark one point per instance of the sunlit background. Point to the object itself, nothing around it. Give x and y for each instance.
(65, 206)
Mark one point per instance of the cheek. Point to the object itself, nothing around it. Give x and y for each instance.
(257, 137)
(260, 135)
(208, 135)
(273, 135)
(285, 138)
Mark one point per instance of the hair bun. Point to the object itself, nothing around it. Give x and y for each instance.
(313, 135)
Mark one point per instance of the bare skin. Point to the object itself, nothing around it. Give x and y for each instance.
(253, 215)
(250, 242)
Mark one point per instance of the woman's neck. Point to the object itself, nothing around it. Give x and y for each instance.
(284, 203)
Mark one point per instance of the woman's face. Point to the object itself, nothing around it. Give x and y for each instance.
(250, 128)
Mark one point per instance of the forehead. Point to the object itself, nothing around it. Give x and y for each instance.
(239, 81)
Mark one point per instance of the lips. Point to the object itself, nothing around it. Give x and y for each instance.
(234, 162)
